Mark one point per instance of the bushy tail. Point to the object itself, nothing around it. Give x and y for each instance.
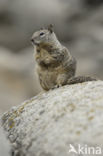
(80, 79)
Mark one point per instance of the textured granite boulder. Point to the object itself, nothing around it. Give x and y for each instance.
(5, 148)
(55, 122)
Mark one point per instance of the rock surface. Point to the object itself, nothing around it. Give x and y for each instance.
(48, 123)
(5, 147)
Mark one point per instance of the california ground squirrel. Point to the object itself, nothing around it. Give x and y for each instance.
(55, 65)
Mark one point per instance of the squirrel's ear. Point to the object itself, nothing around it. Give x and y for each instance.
(50, 28)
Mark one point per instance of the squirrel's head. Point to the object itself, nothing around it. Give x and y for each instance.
(43, 36)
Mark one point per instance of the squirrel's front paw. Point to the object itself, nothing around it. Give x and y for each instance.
(61, 80)
(54, 87)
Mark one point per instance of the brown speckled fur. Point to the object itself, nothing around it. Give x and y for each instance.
(55, 65)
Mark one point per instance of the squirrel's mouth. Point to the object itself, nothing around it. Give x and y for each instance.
(34, 42)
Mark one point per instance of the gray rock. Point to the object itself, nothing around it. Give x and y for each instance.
(52, 122)
(5, 147)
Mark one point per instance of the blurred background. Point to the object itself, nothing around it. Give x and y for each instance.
(78, 25)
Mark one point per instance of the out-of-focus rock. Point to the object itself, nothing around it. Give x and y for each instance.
(3, 5)
(18, 80)
(26, 17)
(51, 123)
(89, 56)
(86, 29)
(93, 3)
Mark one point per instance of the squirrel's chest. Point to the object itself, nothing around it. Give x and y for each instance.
(42, 52)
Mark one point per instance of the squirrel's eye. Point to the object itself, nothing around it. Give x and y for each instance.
(41, 34)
